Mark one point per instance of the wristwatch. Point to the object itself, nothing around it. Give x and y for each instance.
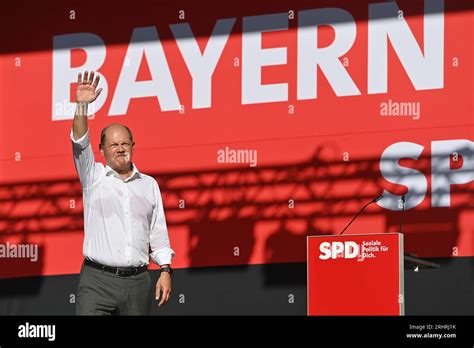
(167, 269)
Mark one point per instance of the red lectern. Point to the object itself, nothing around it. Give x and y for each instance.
(355, 274)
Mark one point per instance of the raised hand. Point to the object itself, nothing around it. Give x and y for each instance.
(86, 88)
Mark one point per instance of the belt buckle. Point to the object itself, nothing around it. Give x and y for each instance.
(117, 272)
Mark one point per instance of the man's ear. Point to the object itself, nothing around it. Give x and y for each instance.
(101, 149)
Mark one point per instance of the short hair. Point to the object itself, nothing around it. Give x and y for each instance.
(102, 133)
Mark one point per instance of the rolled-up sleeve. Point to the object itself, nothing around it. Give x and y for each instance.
(83, 159)
(161, 252)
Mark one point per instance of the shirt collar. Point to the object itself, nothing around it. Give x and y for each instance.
(135, 173)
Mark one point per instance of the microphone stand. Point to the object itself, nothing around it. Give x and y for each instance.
(376, 199)
(401, 214)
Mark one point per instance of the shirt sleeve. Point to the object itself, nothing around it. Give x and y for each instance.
(161, 252)
(83, 159)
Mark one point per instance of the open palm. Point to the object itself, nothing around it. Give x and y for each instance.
(87, 91)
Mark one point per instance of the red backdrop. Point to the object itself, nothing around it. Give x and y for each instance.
(318, 159)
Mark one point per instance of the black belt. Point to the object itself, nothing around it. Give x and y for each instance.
(120, 271)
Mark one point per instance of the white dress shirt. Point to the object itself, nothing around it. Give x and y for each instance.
(122, 218)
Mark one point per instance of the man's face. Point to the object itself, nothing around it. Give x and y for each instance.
(118, 148)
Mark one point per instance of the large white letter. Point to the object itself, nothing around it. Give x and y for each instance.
(310, 56)
(202, 66)
(145, 40)
(424, 70)
(393, 172)
(325, 249)
(64, 75)
(442, 176)
(254, 57)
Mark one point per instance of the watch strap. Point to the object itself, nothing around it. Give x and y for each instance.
(167, 269)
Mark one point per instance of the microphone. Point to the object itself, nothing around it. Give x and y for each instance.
(376, 199)
(401, 214)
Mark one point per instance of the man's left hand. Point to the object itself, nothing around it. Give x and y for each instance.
(163, 288)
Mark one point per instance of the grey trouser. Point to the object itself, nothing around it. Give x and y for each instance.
(104, 293)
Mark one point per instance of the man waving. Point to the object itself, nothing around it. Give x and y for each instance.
(124, 220)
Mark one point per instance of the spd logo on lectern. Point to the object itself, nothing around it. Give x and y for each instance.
(334, 250)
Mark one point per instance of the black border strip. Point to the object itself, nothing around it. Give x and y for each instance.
(240, 329)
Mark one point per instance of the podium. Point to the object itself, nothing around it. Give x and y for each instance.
(356, 274)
